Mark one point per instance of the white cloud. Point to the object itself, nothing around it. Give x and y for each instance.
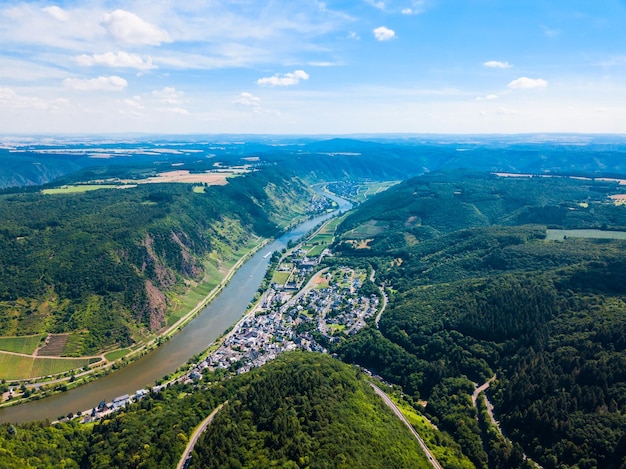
(10, 98)
(128, 28)
(172, 99)
(353, 35)
(248, 99)
(169, 95)
(288, 79)
(377, 4)
(323, 64)
(527, 83)
(497, 64)
(134, 103)
(7, 94)
(175, 110)
(112, 83)
(489, 97)
(413, 7)
(384, 34)
(57, 13)
(506, 111)
(119, 59)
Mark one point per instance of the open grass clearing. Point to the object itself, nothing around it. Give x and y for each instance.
(208, 178)
(281, 277)
(79, 188)
(558, 235)
(365, 231)
(74, 345)
(373, 188)
(116, 354)
(23, 367)
(317, 250)
(26, 344)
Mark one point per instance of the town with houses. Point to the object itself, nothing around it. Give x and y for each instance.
(305, 307)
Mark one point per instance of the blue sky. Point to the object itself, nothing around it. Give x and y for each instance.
(313, 67)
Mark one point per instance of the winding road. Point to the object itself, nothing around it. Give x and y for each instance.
(400, 415)
(182, 463)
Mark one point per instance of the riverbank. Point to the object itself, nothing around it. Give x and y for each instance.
(184, 343)
(26, 390)
(64, 383)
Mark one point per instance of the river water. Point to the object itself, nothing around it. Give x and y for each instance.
(204, 329)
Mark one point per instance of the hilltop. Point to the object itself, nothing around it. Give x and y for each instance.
(302, 410)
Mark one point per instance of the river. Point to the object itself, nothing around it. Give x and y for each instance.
(204, 329)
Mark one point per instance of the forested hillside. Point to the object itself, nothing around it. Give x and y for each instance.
(476, 291)
(302, 410)
(107, 262)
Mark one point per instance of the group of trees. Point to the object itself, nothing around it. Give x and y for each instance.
(471, 300)
(103, 260)
(302, 410)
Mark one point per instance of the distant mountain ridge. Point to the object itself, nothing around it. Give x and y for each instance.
(324, 159)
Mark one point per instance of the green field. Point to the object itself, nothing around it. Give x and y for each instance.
(22, 367)
(281, 277)
(558, 235)
(364, 231)
(372, 189)
(317, 250)
(116, 354)
(323, 238)
(74, 344)
(77, 188)
(26, 344)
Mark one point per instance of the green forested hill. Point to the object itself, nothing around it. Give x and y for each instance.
(106, 261)
(469, 300)
(302, 410)
(306, 410)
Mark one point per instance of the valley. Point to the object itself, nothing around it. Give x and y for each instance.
(429, 286)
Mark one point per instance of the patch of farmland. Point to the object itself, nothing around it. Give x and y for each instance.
(55, 343)
(15, 366)
(25, 344)
(366, 230)
(53, 366)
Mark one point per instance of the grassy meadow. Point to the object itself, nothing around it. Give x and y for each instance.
(23, 367)
(26, 344)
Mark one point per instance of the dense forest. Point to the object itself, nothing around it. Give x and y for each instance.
(476, 290)
(302, 410)
(106, 262)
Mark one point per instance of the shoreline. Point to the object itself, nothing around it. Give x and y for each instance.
(104, 368)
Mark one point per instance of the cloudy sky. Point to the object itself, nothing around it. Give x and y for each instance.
(311, 67)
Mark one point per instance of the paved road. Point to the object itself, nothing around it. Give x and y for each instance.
(195, 435)
(494, 422)
(382, 306)
(481, 388)
(400, 415)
